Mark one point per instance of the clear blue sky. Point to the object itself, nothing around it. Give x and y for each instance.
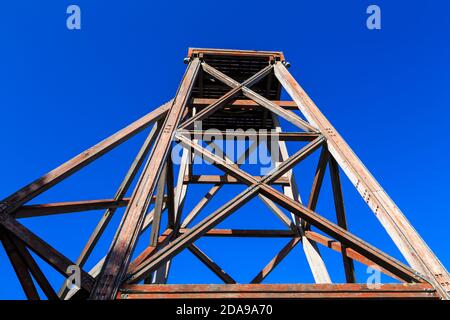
(385, 91)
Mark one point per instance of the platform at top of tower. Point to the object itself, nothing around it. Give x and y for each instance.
(277, 55)
(239, 65)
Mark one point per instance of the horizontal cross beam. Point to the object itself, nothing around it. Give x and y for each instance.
(219, 135)
(224, 179)
(240, 233)
(243, 104)
(278, 291)
(39, 210)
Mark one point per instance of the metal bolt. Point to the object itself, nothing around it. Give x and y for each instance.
(286, 64)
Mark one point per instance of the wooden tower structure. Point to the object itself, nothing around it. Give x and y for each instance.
(222, 90)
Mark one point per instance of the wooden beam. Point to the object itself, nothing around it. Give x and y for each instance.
(181, 187)
(45, 251)
(156, 224)
(163, 239)
(215, 188)
(20, 267)
(223, 179)
(341, 218)
(240, 233)
(216, 105)
(170, 193)
(276, 260)
(277, 211)
(34, 269)
(158, 208)
(318, 179)
(272, 107)
(207, 261)
(219, 135)
(161, 275)
(278, 291)
(269, 55)
(337, 246)
(118, 258)
(95, 271)
(244, 104)
(200, 205)
(39, 210)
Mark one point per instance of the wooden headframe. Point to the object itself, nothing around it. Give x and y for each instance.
(221, 90)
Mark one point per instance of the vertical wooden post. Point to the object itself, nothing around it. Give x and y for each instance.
(341, 218)
(156, 225)
(318, 179)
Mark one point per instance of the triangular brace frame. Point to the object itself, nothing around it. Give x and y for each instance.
(116, 276)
